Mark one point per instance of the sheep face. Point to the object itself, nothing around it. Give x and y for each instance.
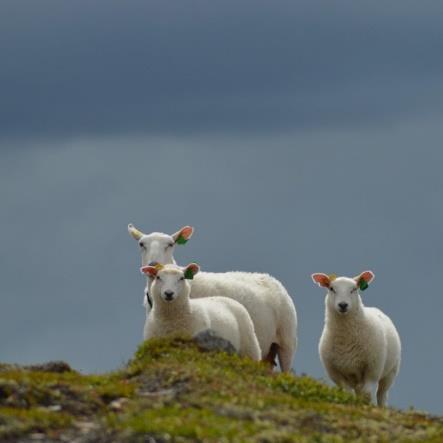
(170, 281)
(343, 293)
(169, 285)
(158, 247)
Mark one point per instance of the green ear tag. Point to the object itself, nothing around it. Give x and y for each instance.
(181, 240)
(363, 284)
(189, 275)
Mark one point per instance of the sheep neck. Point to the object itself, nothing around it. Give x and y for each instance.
(171, 311)
(345, 324)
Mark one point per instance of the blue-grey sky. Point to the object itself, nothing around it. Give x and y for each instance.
(295, 136)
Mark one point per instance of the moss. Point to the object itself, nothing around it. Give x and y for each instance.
(309, 389)
(173, 391)
(26, 389)
(193, 423)
(16, 421)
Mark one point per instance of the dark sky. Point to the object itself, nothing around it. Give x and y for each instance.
(296, 137)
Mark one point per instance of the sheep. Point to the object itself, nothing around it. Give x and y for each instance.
(174, 312)
(359, 346)
(158, 248)
(271, 308)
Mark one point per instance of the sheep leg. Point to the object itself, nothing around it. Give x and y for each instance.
(338, 379)
(343, 385)
(287, 337)
(272, 354)
(285, 357)
(383, 386)
(364, 390)
(249, 343)
(286, 347)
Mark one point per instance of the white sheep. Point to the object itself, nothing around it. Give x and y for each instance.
(271, 308)
(158, 248)
(359, 346)
(174, 312)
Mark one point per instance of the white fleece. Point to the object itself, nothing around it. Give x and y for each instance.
(183, 315)
(271, 308)
(361, 347)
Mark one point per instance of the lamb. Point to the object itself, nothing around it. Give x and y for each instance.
(359, 346)
(268, 303)
(174, 312)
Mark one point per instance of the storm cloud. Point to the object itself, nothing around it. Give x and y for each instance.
(222, 66)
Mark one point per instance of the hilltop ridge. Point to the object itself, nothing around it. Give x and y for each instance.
(173, 391)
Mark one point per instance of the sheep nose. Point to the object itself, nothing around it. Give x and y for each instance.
(169, 295)
(343, 306)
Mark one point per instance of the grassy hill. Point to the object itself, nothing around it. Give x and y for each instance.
(172, 391)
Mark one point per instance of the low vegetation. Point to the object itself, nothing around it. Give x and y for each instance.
(173, 391)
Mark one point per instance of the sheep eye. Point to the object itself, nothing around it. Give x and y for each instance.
(170, 245)
(141, 245)
(158, 277)
(332, 289)
(353, 290)
(182, 278)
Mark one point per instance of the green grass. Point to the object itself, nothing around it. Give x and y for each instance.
(173, 391)
(18, 421)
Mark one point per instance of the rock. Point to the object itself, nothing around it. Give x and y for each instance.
(86, 427)
(50, 366)
(7, 388)
(208, 340)
(118, 404)
(37, 436)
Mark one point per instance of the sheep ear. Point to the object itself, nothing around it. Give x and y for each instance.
(364, 279)
(150, 271)
(321, 280)
(134, 232)
(191, 270)
(183, 235)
